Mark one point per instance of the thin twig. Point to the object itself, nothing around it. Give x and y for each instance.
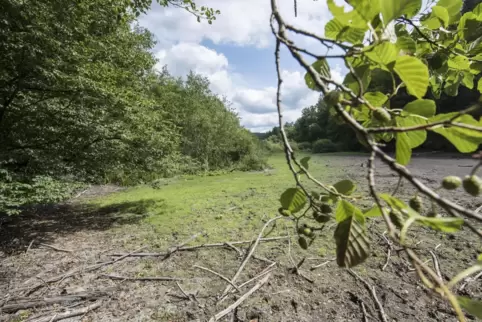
(230, 245)
(469, 280)
(322, 264)
(30, 245)
(57, 248)
(233, 306)
(436, 264)
(265, 271)
(218, 275)
(70, 314)
(182, 291)
(192, 248)
(149, 278)
(364, 310)
(176, 248)
(373, 293)
(243, 264)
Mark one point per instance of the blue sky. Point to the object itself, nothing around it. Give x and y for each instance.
(236, 54)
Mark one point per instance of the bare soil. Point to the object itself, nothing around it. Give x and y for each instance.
(91, 235)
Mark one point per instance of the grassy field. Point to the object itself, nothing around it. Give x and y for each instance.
(225, 206)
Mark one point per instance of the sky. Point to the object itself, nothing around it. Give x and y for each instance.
(236, 53)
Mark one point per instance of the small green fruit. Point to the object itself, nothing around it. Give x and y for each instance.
(472, 185)
(432, 214)
(322, 218)
(308, 232)
(284, 212)
(303, 243)
(332, 98)
(325, 208)
(416, 203)
(397, 218)
(451, 182)
(380, 114)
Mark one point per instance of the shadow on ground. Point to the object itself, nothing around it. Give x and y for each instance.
(46, 222)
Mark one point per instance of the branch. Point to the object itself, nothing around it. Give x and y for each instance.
(70, 314)
(218, 275)
(373, 293)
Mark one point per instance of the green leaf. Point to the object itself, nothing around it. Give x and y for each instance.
(453, 8)
(364, 73)
(352, 243)
(337, 30)
(345, 210)
(376, 99)
(403, 152)
(459, 63)
(479, 258)
(373, 212)
(392, 9)
(445, 224)
(335, 10)
(479, 85)
(398, 204)
(442, 14)
(468, 80)
(293, 199)
(321, 66)
(474, 307)
(304, 162)
(415, 138)
(406, 44)
(465, 140)
(414, 74)
(452, 83)
(365, 9)
(345, 187)
(384, 53)
(422, 107)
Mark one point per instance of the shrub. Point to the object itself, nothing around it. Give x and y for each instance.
(305, 146)
(324, 146)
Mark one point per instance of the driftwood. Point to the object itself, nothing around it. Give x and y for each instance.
(27, 303)
(191, 248)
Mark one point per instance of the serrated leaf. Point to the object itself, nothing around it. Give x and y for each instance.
(474, 307)
(376, 99)
(459, 63)
(345, 187)
(365, 9)
(415, 138)
(465, 140)
(352, 243)
(304, 162)
(414, 74)
(403, 152)
(406, 44)
(337, 30)
(422, 107)
(452, 83)
(442, 14)
(384, 53)
(322, 67)
(293, 199)
(345, 210)
(364, 73)
(398, 204)
(453, 8)
(334, 9)
(445, 224)
(392, 9)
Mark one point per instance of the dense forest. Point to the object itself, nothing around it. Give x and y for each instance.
(81, 102)
(320, 130)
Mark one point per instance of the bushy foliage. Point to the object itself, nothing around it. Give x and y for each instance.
(324, 146)
(80, 99)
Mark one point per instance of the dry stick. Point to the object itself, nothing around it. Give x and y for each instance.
(372, 291)
(365, 314)
(66, 315)
(30, 245)
(322, 264)
(176, 248)
(243, 264)
(436, 265)
(233, 306)
(57, 248)
(267, 270)
(218, 275)
(191, 248)
(240, 253)
(149, 278)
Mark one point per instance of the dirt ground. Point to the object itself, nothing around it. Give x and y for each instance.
(86, 236)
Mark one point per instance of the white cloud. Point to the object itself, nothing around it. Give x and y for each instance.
(242, 23)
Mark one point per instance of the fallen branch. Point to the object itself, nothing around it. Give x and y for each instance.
(373, 293)
(26, 303)
(364, 310)
(149, 278)
(233, 306)
(470, 280)
(70, 314)
(176, 248)
(267, 270)
(191, 248)
(218, 275)
(57, 248)
(243, 264)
